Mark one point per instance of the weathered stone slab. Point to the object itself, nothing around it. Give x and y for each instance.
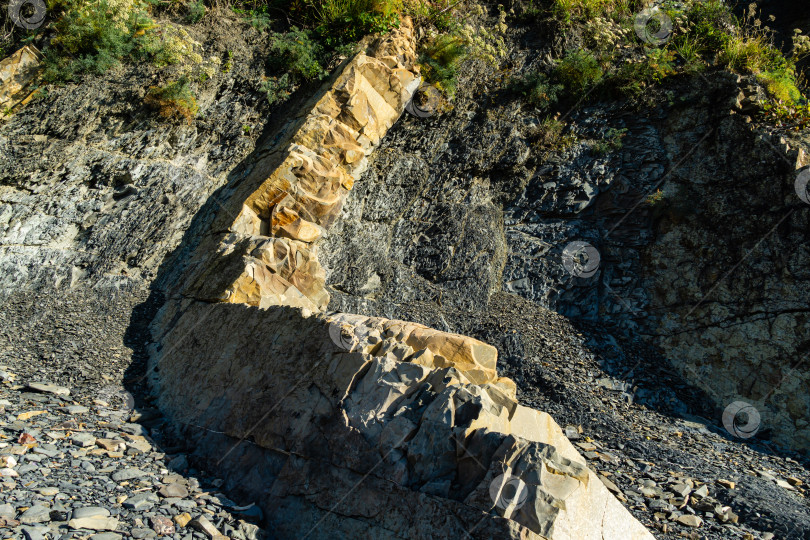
(17, 72)
(284, 380)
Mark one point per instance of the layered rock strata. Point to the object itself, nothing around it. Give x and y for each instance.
(16, 74)
(370, 428)
(362, 427)
(276, 228)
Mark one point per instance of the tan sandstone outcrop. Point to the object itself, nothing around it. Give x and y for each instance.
(360, 427)
(366, 440)
(303, 194)
(16, 74)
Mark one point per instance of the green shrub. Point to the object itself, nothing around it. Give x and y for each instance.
(611, 142)
(568, 11)
(91, 37)
(175, 100)
(689, 49)
(654, 199)
(441, 60)
(741, 53)
(277, 89)
(195, 11)
(707, 24)
(537, 89)
(339, 22)
(578, 71)
(167, 44)
(94, 35)
(438, 13)
(781, 85)
(632, 78)
(296, 53)
(550, 136)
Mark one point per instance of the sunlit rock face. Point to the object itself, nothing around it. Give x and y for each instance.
(357, 421)
(298, 199)
(408, 415)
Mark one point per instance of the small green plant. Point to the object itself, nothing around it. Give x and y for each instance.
(537, 89)
(579, 70)
(550, 136)
(226, 67)
(793, 116)
(257, 15)
(296, 53)
(246, 130)
(195, 11)
(175, 100)
(168, 44)
(688, 49)
(659, 64)
(441, 60)
(438, 13)
(706, 24)
(91, 37)
(338, 22)
(277, 89)
(568, 11)
(781, 85)
(654, 199)
(611, 142)
(632, 78)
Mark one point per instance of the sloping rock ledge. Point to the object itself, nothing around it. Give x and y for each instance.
(348, 426)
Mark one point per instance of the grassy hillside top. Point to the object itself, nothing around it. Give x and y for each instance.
(606, 49)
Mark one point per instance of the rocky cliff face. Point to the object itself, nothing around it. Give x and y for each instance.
(384, 403)
(700, 234)
(459, 222)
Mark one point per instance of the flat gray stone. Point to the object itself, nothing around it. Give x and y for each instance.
(75, 409)
(141, 501)
(83, 440)
(47, 388)
(34, 533)
(36, 514)
(174, 490)
(106, 536)
(45, 451)
(94, 523)
(27, 468)
(91, 512)
(133, 429)
(127, 474)
(185, 505)
(7, 511)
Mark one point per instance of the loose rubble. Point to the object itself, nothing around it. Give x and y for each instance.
(75, 470)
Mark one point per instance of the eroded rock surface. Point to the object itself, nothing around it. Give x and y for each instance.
(360, 420)
(17, 72)
(280, 219)
(458, 223)
(414, 407)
